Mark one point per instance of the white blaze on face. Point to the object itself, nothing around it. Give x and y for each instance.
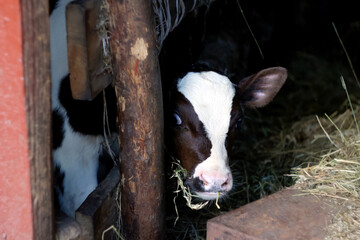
(211, 95)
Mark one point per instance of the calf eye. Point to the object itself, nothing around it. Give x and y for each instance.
(176, 120)
(238, 123)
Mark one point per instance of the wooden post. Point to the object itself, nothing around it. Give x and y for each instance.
(36, 63)
(140, 115)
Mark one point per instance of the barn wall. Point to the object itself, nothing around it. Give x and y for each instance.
(15, 196)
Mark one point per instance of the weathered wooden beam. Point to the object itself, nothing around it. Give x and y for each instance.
(139, 95)
(87, 68)
(287, 214)
(36, 63)
(100, 209)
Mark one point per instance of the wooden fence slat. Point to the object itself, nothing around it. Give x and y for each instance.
(36, 63)
(100, 209)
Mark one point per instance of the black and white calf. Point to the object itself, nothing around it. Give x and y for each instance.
(210, 96)
(80, 160)
(206, 110)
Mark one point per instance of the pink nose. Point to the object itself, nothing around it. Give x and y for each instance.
(215, 181)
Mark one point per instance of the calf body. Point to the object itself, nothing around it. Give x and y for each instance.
(80, 159)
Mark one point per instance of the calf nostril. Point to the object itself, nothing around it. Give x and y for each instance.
(224, 185)
(202, 179)
(215, 182)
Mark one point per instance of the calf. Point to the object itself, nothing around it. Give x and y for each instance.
(206, 110)
(80, 158)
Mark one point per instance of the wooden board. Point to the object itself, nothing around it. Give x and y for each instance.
(36, 63)
(88, 73)
(283, 215)
(100, 209)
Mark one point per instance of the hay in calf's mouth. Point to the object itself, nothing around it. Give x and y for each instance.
(179, 173)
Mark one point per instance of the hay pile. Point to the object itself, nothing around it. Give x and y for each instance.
(331, 148)
(322, 155)
(325, 155)
(279, 147)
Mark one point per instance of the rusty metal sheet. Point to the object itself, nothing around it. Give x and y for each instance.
(283, 215)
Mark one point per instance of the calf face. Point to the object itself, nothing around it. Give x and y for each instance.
(206, 111)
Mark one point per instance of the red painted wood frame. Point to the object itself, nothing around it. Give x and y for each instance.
(26, 210)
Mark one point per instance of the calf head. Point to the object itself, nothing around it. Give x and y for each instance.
(206, 110)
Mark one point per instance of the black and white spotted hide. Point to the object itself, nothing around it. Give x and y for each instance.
(80, 157)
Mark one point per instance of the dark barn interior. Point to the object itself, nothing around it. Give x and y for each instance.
(297, 35)
(297, 158)
(316, 41)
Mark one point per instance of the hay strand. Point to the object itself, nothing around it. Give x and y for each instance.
(179, 173)
(112, 228)
(251, 32)
(347, 55)
(351, 107)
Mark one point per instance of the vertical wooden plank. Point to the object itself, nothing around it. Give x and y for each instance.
(138, 89)
(36, 62)
(100, 210)
(87, 68)
(15, 194)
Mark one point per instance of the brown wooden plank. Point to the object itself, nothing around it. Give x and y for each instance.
(100, 209)
(36, 62)
(283, 215)
(88, 73)
(138, 89)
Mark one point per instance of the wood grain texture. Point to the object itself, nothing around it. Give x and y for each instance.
(88, 73)
(100, 209)
(36, 63)
(140, 114)
(287, 214)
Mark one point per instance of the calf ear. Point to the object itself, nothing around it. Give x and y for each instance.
(259, 89)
